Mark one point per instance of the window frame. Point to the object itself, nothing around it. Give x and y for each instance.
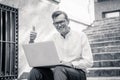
(108, 12)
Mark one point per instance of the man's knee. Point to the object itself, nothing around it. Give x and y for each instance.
(82, 74)
(59, 69)
(34, 74)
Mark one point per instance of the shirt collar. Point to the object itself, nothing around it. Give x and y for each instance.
(67, 35)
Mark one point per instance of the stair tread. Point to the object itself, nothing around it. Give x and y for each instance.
(99, 42)
(107, 60)
(104, 35)
(103, 78)
(103, 68)
(105, 39)
(109, 46)
(99, 30)
(106, 53)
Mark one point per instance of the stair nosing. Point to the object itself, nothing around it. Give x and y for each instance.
(103, 68)
(103, 38)
(107, 53)
(106, 60)
(103, 77)
(107, 46)
(107, 27)
(104, 42)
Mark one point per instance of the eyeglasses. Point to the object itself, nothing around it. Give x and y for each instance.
(59, 23)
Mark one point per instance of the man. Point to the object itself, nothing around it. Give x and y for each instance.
(73, 51)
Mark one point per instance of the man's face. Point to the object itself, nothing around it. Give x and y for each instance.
(61, 24)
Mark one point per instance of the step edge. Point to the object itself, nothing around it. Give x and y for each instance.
(103, 68)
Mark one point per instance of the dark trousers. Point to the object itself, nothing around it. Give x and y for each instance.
(58, 73)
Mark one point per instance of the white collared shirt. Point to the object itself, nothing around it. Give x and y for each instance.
(74, 48)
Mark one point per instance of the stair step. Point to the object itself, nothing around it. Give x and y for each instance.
(103, 68)
(104, 72)
(97, 29)
(103, 78)
(104, 39)
(107, 63)
(106, 49)
(104, 25)
(107, 21)
(105, 30)
(108, 52)
(104, 35)
(105, 43)
(106, 56)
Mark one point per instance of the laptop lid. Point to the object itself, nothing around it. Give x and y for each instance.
(41, 54)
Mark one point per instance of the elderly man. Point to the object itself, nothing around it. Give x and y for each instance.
(73, 50)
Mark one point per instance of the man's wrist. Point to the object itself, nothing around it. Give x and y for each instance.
(31, 41)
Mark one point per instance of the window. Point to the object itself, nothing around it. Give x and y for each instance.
(111, 14)
(8, 42)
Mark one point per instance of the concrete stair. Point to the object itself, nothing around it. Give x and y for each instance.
(104, 38)
(104, 72)
(103, 78)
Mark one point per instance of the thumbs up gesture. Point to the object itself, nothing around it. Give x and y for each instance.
(33, 35)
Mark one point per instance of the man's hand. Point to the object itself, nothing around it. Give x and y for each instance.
(67, 64)
(33, 35)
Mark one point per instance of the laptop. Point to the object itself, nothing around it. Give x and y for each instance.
(43, 54)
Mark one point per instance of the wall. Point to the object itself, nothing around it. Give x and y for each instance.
(105, 6)
(32, 13)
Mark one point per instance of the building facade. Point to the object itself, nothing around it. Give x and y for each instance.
(106, 9)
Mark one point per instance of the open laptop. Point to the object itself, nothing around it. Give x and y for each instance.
(43, 54)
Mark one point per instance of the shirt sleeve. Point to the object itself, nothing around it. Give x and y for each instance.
(86, 60)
